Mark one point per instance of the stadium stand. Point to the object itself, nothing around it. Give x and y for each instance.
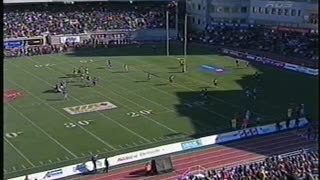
(295, 165)
(36, 20)
(297, 44)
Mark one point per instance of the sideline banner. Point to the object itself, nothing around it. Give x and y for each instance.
(272, 62)
(70, 39)
(86, 167)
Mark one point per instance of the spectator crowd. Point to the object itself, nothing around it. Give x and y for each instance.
(56, 19)
(286, 43)
(301, 166)
(35, 20)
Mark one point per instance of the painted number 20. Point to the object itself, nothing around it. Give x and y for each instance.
(82, 123)
(139, 113)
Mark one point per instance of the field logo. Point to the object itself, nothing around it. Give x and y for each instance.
(12, 95)
(90, 108)
(213, 69)
(191, 144)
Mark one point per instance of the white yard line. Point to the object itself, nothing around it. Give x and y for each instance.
(156, 122)
(86, 157)
(19, 152)
(35, 125)
(114, 121)
(218, 99)
(89, 132)
(201, 124)
(165, 93)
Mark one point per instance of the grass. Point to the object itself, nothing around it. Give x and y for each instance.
(44, 141)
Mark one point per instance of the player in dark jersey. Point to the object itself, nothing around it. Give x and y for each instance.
(215, 82)
(237, 63)
(109, 63)
(94, 81)
(171, 78)
(247, 63)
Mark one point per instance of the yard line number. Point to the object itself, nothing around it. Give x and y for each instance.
(86, 61)
(79, 123)
(45, 65)
(12, 135)
(139, 113)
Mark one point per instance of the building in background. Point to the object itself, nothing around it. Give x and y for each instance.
(293, 13)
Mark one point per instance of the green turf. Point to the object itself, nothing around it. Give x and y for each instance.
(46, 143)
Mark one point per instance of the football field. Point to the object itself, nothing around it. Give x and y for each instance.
(126, 111)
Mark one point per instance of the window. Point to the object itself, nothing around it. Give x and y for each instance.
(273, 11)
(280, 12)
(193, 6)
(226, 9)
(260, 10)
(193, 20)
(213, 9)
(299, 12)
(244, 9)
(293, 12)
(267, 10)
(254, 9)
(199, 21)
(234, 10)
(199, 7)
(286, 12)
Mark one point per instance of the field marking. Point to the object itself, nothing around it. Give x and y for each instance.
(218, 99)
(41, 162)
(19, 152)
(89, 132)
(98, 150)
(202, 124)
(35, 125)
(160, 124)
(83, 154)
(145, 116)
(23, 166)
(5, 170)
(116, 122)
(81, 158)
(58, 159)
(50, 161)
(14, 168)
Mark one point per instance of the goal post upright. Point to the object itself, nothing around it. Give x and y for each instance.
(167, 31)
(185, 41)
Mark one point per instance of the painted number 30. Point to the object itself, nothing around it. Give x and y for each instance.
(139, 113)
(13, 134)
(81, 123)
